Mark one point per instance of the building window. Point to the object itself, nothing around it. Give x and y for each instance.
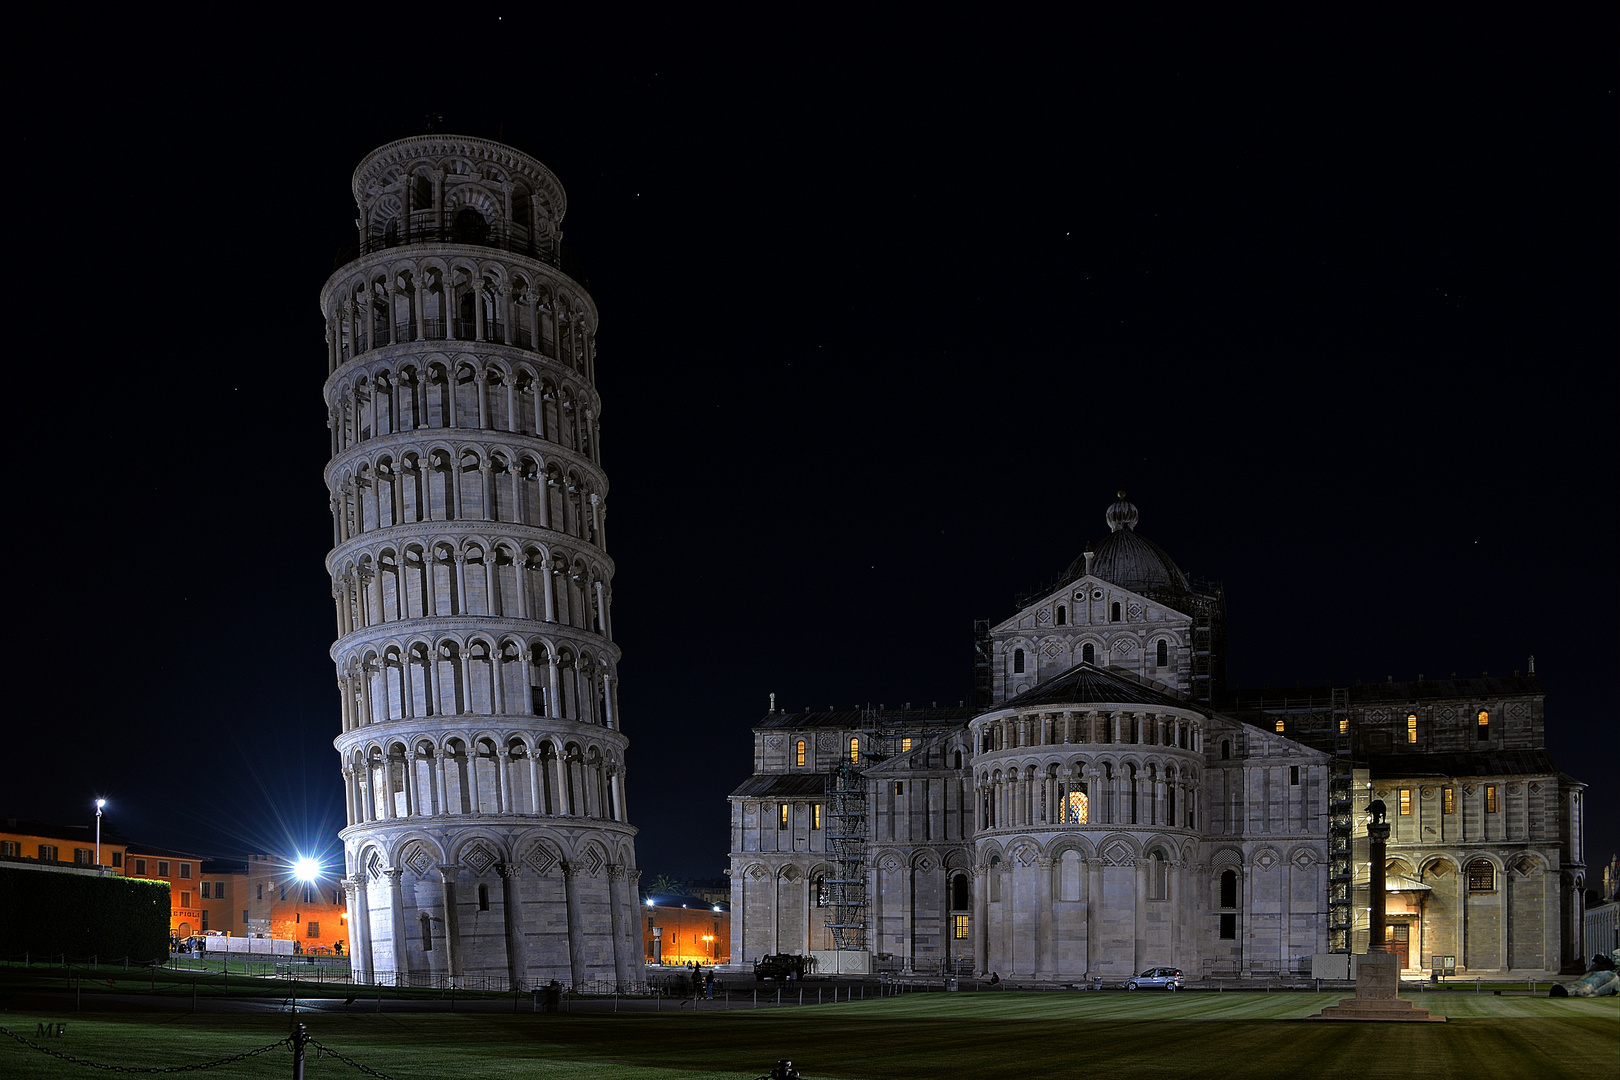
(1293, 776)
(261, 891)
(1164, 653)
(140, 867)
(1158, 876)
(207, 892)
(427, 933)
(163, 868)
(219, 890)
(309, 894)
(314, 930)
(244, 916)
(1062, 615)
(483, 898)
(11, 848)
(185, 870)
(782, 816)
(1088, 653)
(815, 815)
(83, 856)
(1076, 809)
(823, 897)
(855, 751)
(118, 859)
(1228, 927)
(1406, 802)
(205, 920)
(1448, 800)
(959, 927)
(1344, 726)
(899, 787)
(1484, 726)
(961, 893)
(1229, 885)
(1279, 727)
(1113, 611)
(284, 892)
(1226, 749)
(1490, 798)
(1411, 727)
(1018, 661)
(798, 753)
(185, 897)
(1481, 876)
(47, 852)
(905, 745)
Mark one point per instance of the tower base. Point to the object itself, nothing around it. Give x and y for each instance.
(1378, 979)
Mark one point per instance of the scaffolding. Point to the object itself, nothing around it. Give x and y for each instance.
(1341, 824)
(846, 848)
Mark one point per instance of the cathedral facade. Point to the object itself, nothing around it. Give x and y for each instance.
(1107, 805)
(481, 747)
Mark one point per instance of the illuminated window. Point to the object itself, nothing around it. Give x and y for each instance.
(1484, 727)
(1490, 798)
(1481, 876)
(899, 787)
(905, 746)
(1164, 653)
(315, 929)
(798, 753)
(1406, 801)
(855, 751)
(815, 815)
(959, 927)
(782, 817)
(1018, 661)
(1076, 809)
(1411, 727)
(1448, 800)
(1344, 726)
(1279, 727)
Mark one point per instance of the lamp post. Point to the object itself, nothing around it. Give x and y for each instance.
(99, 804)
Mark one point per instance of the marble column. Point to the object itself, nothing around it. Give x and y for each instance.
(452, 921)
(576, 927)
(1044, 944)
(396, 911)
(517, 963)
(360, 927)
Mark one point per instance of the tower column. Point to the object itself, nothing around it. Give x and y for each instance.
(396, 908)
(517, 961)
(360, 925)
(576, 929)
(452, 920)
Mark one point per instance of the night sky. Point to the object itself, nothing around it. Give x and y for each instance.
(889, 313)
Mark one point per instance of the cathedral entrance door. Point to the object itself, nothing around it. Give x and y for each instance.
(1398, 940)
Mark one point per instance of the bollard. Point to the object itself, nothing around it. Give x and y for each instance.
(801, 995)
(300, 1037)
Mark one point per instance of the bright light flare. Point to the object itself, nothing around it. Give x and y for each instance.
(306, 868)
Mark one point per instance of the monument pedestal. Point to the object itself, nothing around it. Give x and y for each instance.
(1378, 982)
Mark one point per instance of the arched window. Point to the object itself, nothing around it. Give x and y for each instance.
(855, 751)
(1229, 888)
(1158, 876)
(961, 893)
(1113, 611)
(823, 897)
(995, 879)
(1481, 876)
(1076, 808)
(1411, 727)
(1088, 653)
(958, 759)
(1062, 615)
(1484, 725)
(798, 753)
(1164, 653)
(1279, 727)
(1018, 661)
(469, 227)
(1226, 749)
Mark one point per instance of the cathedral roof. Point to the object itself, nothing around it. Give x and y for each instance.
(1128, 560)
(797, 785)
(868, 719)
(1529, 762)
(1086, 684)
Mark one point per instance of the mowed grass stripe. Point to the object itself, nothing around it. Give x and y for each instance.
(924, 1036)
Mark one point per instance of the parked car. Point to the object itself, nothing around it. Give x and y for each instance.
(782, 967)
(1159, 978)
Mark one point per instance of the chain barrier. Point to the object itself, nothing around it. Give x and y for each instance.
(152, 1069)
(323, 1049)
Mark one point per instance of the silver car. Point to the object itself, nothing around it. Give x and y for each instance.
(1159, 978)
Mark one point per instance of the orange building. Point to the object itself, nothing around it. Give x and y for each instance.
(278, 904)
(62, 845)
(683, 929)
(183, 872)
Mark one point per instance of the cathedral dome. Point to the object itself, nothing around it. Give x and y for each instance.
(1128, 560)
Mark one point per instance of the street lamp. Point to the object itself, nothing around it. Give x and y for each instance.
(99, 804)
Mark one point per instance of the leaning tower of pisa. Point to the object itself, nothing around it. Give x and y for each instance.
(482, 754)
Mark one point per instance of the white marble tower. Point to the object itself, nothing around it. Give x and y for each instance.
(481, 749)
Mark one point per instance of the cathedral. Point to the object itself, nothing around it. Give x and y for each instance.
(1106, 805)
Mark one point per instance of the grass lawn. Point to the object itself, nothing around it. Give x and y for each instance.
(1009, 1035)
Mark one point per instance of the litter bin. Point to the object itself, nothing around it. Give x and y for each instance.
(950, 982)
